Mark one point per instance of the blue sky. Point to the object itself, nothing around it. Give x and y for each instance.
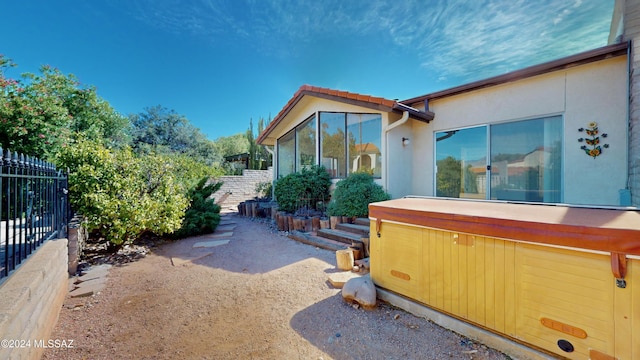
(222, 62)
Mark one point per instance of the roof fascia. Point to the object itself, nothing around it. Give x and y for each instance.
(555, 65)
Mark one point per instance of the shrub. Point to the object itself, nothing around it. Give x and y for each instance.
(120, 195)
(203, 215)
(308, 187)
(353, 195)
(264, 189)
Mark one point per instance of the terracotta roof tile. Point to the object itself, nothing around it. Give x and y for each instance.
(319, 91)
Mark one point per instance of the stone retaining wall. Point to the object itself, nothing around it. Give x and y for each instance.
(78, 236)
(30, 301)
(241, 188)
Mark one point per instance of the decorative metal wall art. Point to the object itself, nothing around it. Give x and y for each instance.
(592, 147)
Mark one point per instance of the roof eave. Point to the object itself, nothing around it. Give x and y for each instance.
(559, 64)
(423, 116)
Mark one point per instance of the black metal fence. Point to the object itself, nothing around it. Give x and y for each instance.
(34, 207)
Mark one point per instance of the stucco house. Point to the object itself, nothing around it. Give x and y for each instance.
(562, 279)
(523, 135)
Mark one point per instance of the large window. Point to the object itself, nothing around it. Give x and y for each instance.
(364, 133)
(332, 149)
(519, 161)
(306, 143)
(351, 142)
(286, 154)
(348, 142)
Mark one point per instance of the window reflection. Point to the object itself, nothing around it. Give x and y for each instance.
(364, 132)
(461, 160)
(525, 161)
(286, 154)
(332, 148)
(306, 143)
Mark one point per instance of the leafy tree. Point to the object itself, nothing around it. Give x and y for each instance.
(40, 114)
(232, 145)
(449, 177)
(259, 158)
(160, 130)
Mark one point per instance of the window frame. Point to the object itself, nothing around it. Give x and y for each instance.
(488, 154)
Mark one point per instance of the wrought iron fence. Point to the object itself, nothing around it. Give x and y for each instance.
(33, 209)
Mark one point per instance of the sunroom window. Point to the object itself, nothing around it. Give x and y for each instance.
(351, 142)
(518, 161)
(286, 154)
(345, 142)
(306, 144)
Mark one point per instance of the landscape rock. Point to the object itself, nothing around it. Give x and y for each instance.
(360, 290)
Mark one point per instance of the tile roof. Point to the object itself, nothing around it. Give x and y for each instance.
(342, 96)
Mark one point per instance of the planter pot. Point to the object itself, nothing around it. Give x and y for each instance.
(335, 220)
(325, 224)
(241, 209)
(290, 222)
(315, 223)
(365, 242)
(357, 253)
(280, 221)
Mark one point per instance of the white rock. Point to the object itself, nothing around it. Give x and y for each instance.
(360, 290)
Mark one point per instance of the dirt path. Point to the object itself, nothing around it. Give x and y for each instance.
(261, 296)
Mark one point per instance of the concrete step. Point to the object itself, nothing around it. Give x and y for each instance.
(361, 230)
(339, 235)
(321, 242)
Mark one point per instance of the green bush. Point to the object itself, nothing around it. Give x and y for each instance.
(264, 189)
(306, 188)
(353, 195)
(121, 195)
(203, 215)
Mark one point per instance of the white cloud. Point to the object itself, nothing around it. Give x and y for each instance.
(465, 39)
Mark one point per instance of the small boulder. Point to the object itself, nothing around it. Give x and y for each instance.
(360, 290)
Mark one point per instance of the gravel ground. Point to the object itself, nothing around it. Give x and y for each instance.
(262, 296)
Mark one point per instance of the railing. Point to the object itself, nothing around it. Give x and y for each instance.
(33, 207)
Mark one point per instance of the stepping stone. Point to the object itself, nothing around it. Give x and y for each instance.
(94, 273)
(222, 234)
(206, 244)
(89, 288)
(337, 280)
(225, 227)
(226, 222)
(175, 261)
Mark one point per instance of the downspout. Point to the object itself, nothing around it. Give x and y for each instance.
(402, 121)
(626, 197)
(273, 180)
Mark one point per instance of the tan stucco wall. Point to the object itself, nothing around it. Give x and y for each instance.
(591, 92)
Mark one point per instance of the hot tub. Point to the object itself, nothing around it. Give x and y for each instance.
(560, 278)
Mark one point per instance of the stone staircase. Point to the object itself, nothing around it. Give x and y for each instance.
(339, 238)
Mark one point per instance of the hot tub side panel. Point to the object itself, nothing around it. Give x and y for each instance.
(540, 295)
